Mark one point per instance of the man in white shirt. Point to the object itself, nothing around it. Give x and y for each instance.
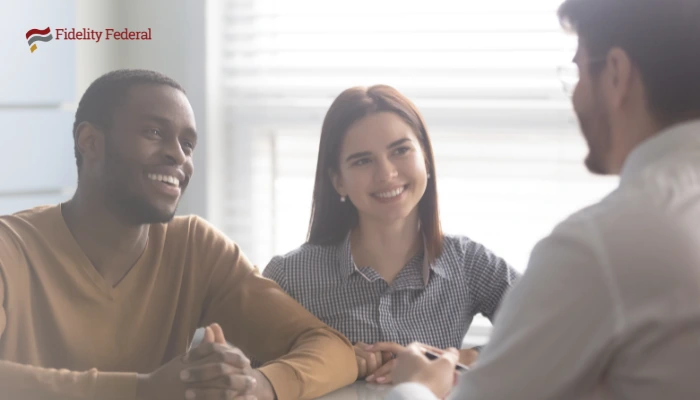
(609, 307)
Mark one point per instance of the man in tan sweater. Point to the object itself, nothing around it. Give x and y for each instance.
(101, 295)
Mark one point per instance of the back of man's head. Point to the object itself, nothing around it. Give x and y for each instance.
(661, 38)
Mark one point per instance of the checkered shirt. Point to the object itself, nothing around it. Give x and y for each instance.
(467, 279)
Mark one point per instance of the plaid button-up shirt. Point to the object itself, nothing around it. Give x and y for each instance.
(431, 303)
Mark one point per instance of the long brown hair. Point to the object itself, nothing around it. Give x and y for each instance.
(331, 219)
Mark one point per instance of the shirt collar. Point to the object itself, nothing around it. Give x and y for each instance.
(673, 140)
(348, 267)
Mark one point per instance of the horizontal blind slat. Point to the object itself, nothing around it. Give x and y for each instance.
(476, 69)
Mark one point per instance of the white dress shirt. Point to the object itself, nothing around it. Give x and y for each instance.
(609, 307)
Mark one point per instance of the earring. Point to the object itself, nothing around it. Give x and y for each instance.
(342, 199)
(429, 175)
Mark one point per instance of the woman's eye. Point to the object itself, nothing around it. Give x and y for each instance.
(402, 150)
(361, 161)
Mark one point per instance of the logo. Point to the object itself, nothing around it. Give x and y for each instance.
(38, 35)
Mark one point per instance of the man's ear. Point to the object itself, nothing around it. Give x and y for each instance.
(90, 141)
(621, 79)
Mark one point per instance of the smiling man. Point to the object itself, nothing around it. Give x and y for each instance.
(609, 307)
(101, 294)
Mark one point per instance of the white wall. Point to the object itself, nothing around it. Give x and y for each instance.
(39, 91)
(177, 49)
(37, 166)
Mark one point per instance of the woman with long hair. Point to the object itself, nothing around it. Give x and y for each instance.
(377, 266)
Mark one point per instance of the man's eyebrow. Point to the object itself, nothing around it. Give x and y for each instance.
(192, 132)
(150, 117)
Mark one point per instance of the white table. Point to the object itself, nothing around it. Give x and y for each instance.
(367, 391)
(359, 390)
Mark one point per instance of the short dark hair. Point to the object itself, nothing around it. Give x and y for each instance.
(661, 37)
(108, 92)
(331, 219)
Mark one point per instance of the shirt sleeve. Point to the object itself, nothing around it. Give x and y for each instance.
(275, 271)
(19, 381)
(489, 277)
(410, 391)
(304, 358)
(555, 325)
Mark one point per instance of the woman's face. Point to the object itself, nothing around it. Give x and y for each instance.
(382, 168)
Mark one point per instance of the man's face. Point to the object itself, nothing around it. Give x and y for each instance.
(593, 114)
(148, 154)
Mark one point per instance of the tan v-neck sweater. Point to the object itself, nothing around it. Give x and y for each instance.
(65, 333)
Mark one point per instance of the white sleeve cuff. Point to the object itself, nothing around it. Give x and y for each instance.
(410, 391)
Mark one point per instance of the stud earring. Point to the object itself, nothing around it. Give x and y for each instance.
(342, 199)
(429, 175)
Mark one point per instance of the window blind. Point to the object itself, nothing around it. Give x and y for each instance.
(509, 157)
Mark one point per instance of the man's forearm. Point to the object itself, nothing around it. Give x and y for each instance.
(320, 361)
(19, 381)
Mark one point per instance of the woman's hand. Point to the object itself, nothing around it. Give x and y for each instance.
(389, 350)
(468, 356)
(367, 361)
